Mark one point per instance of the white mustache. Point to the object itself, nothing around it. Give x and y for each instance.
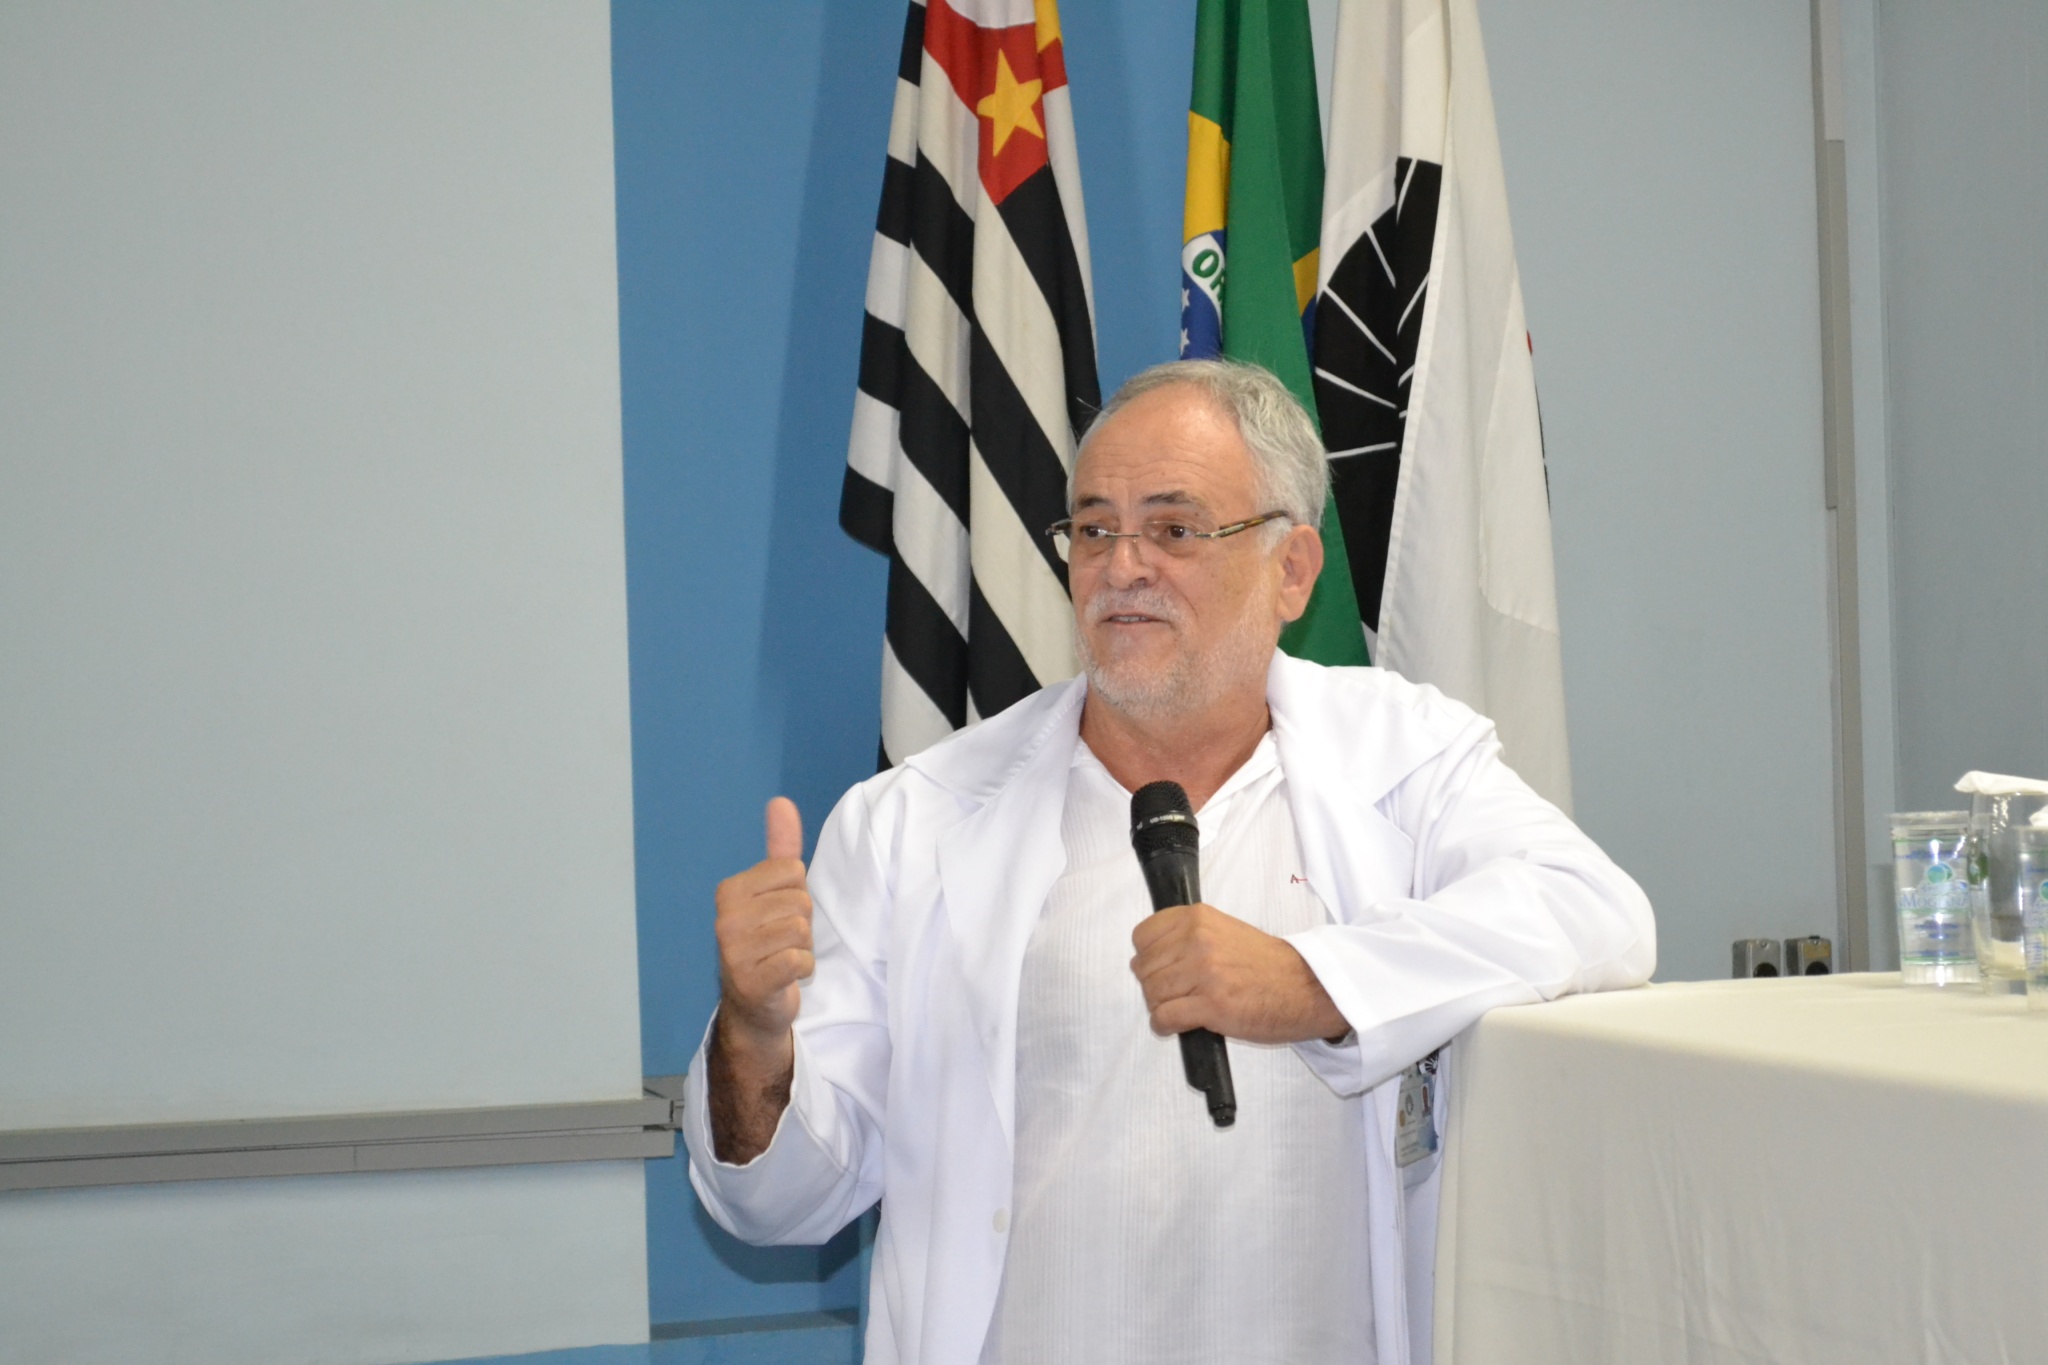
(1106, 602)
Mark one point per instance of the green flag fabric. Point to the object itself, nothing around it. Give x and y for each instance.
(1252, 222)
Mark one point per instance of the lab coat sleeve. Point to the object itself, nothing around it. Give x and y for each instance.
(1511, 904)
(824, 1166)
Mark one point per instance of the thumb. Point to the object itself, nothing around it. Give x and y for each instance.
(785, 829)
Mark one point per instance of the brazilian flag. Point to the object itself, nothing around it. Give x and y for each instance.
(1255, 206)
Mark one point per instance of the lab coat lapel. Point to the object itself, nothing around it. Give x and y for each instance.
(996, 869)
(1340, 756)
(1343, 749)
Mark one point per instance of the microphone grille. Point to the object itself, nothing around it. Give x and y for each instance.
(1162, 819)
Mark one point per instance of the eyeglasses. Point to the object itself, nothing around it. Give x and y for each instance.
(1093, 539)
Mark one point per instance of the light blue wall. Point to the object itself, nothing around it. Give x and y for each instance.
(1660, 166)
(1964, 125)
(750, 142)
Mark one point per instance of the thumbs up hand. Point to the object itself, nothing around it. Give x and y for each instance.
(764, 939)
(764, 950)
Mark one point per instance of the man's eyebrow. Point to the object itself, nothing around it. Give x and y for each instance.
(1173, 497)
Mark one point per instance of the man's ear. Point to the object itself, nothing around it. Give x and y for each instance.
(1301, 560)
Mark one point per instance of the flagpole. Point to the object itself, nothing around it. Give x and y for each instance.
(1838, 472)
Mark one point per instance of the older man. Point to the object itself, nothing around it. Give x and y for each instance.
(966, 1010)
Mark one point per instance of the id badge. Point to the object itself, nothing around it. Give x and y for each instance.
(1415, 1131)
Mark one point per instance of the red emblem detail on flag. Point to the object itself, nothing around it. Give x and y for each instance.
(1002, 76)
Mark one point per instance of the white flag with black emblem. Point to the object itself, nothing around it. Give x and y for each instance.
(1425, 382)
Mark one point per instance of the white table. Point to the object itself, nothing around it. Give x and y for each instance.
(1803, 1170)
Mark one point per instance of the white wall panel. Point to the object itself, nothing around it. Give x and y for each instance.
(340, 1270)
(313, 704)
(1964, 119)
(1660, 166)
(315, 788)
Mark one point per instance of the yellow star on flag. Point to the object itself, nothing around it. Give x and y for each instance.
(1009, 105)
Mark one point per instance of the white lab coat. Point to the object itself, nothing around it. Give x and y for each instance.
(1453, 887)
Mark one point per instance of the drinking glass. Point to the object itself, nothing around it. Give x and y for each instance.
(2033, 897)
(1996, 921)
(1931, 877)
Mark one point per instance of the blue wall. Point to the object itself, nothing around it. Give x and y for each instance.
(750, 147)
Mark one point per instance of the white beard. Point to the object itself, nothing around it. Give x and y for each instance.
(1193, 680)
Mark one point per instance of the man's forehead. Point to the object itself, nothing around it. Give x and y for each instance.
(1171, 447)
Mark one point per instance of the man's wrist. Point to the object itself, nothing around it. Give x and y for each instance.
(1326, 1022)
(1334, 1026)
(750, 1048)
(749, 1082)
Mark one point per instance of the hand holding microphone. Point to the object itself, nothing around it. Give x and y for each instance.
(1168, 845)
(1207, 971)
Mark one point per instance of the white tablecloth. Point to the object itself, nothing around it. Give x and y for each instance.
(1798, 1170)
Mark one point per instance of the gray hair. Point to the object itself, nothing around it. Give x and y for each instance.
(1287, 454)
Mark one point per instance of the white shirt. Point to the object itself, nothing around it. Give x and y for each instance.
(1140, 1231)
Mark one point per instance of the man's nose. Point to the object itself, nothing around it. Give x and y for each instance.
(1126, 563)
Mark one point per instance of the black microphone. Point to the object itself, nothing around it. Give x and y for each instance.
(1168, 844)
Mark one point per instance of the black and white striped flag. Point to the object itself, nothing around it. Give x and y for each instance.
(977, 368)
